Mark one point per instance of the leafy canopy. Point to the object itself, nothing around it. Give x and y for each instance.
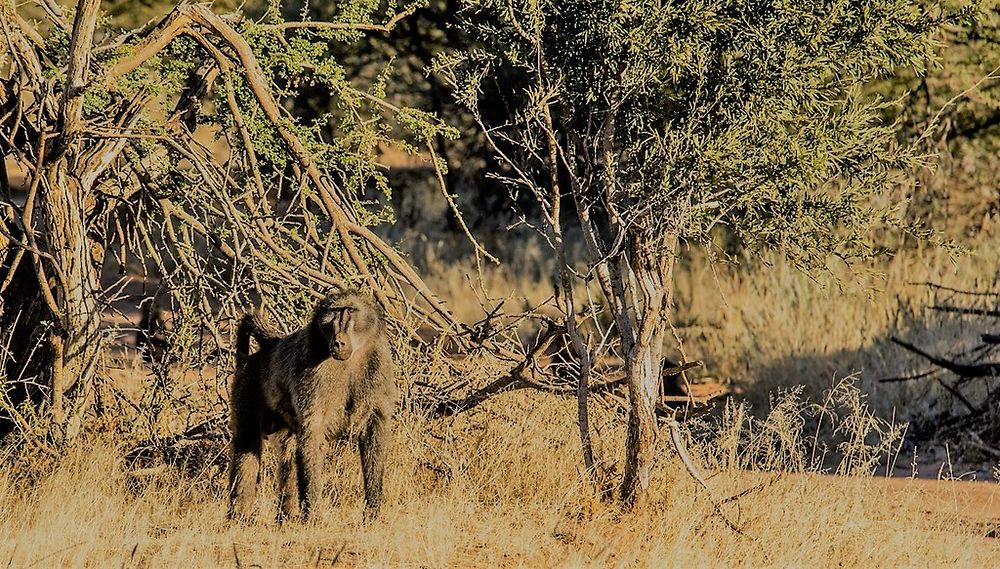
(746, 114)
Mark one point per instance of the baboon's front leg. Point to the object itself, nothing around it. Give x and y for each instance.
(309, 463)
(373, 445)
(288, 479)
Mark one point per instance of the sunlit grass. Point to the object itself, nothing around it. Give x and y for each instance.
(504, 486)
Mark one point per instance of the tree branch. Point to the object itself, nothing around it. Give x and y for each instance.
(517, 378)
(678, 444)
(179, 22)
(81, 44)
(962, 310)
(962, 370)
(384, 28)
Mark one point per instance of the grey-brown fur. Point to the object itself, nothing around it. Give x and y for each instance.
(333, 377)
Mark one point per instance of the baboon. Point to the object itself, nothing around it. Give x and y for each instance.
(151, 338)
(671, 384)
(333, 377)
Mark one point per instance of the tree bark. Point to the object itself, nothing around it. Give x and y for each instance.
(64, 200)
(651, 266)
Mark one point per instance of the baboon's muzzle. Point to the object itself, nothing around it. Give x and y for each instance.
(341, 348)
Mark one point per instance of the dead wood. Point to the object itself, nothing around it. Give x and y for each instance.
(958, 291)
(962, 370)
(965, 310)
(520, 377)
(530, 374)
(975, 427)
(692, 470)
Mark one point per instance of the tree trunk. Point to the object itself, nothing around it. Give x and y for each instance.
(77, 285)
(642, 369)
(65, 199)
(650, 290)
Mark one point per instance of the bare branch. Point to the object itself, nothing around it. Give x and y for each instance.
(962, 370)
(963, 310)
(955, 290)
(54, 13)
(480, 250)
(675, 439)
(160, 37)
(81, 45)
(517, 378)
(384, 28)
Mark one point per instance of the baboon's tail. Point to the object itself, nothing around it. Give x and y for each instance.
(251, 325)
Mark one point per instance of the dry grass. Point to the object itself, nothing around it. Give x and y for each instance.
(775, 327)
(499, 488)
(770, 326)
(503, 486)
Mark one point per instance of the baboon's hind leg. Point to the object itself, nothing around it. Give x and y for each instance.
(288, 477)
(373, 446)
(244, 466)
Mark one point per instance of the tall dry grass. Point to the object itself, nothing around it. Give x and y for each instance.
(503, 486)
(765, 324)
(776, 327)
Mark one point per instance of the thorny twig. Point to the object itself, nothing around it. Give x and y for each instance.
(692, 470)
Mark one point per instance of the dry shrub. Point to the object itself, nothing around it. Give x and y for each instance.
(840, 434)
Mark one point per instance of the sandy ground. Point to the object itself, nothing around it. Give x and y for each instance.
(971, 501)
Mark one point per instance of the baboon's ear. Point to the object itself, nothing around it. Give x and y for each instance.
(326, 303)
(333, 290)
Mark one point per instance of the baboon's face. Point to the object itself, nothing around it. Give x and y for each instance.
(343, 338)
(346, 327)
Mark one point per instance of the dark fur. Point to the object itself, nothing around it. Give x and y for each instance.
(305, 387)
(151, 338)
